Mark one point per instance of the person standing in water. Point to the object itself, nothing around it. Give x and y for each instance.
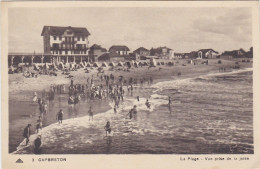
(148, 105)
(27, 133)
(60, 116)
(132, 112)
(107, 128)
(91, 113)
(137, 98)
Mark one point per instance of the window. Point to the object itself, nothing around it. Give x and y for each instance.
(83, 38)
(60, 37)
(78, 38)
(54, 37)
(66, 52)
(60, 51)
(57, 52)
(85, 52)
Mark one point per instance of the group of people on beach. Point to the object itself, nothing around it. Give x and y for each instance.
(109, 87)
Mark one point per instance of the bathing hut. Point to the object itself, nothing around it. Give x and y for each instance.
(88, 64)
(95, 64)
(104, 64)
(135, 64)
(111, 64)
(120, 64)
(153, 62)
(158, 63)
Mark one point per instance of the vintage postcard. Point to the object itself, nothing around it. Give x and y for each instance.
(149, 85)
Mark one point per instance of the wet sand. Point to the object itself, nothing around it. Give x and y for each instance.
(23, 111)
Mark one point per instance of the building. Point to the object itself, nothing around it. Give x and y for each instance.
(119, 50)
(142, 52)
(95, 51)
(233, 54)
(133, 56)
(118, 53)
(162, 52)
(66, 43)
(179, 55)
(207, 54)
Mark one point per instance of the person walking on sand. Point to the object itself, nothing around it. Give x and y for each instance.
(107, 128)
(27, 133)
(60, 116)
(91, 113)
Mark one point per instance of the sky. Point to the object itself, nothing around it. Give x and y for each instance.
(181, 29)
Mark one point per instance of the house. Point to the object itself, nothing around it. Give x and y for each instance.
(132, 56)
(162, 52)
(233, 54)
(118, 53)
(96, 51)
(179, 55)
(142, 52)
(119, 50)
(207, 54)
(66, 41)
(103, 57)
(249, 54)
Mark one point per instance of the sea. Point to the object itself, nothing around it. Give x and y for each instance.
(208, 114)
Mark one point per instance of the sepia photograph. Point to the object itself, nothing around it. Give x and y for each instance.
(130, 80)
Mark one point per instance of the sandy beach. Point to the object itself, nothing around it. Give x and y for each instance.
(21, 89)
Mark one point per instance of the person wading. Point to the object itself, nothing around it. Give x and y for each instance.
(91, 113)
(60, 116)
(107, 128)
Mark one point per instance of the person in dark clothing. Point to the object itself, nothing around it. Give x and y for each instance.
(60, 116)
(27, 133)
(132, 112)
(107, 128)
(38, 145)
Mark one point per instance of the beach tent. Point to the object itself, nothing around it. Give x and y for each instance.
(46, 66)
(153, 62)
(145, 64)
(88, 64)
(120, 64)
(128, 64)
(95, 64)
(111, 64)
(81, 64)
(36, 67)
(135, 64)
(158, 63)
(61, 65)
(140, 64)
(104, 64)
